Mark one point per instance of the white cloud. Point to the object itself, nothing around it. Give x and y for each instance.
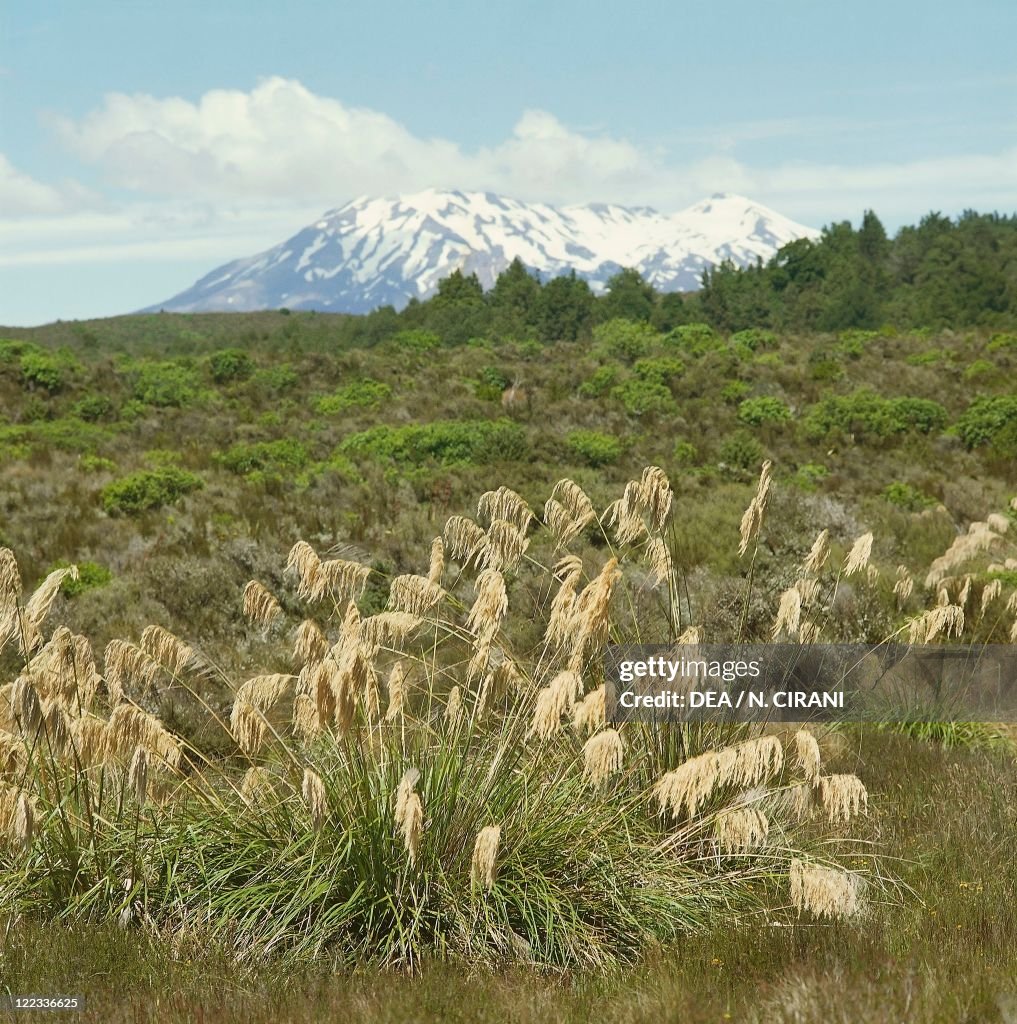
(23, 196)
(282, 143)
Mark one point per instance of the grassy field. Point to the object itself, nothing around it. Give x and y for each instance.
(427, 669)
(945, 821)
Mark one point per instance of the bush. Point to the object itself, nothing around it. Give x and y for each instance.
(600, 383)
(275, 457)
(696, 339)
(866, 415)
(446, 442)
(907, 497)
(148, 489)
(594, 448)
(756, 411)
(41, 370)
(644, 397)
(742, 451)
(166, 385)
(810, 475)
(91, 576)
(684, 453)
(754, 339)
(361, 394)
(990, 421)
(1002, 342)
(93, 408)
(980, 368)
(416, 341)
(662, 371)
(624, 340)
(734, 391)
(230, 365)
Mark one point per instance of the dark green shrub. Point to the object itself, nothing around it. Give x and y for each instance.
(624, 340)
(754, 339)
(41, 370)
(990, 421)
(273, 457)
(361, 394)
(148, 489)
(600, 383)
(662, 370)
(93, 408)
(765, 409)
(907, 497)
(644, 397)
(416, 340)
(810, 475)
(446, 442)
(866, 415)
(91, 576)
(229, 365)
(594, 448)
(742, 451)
(684, 453)
(696, 339)
(166, 385)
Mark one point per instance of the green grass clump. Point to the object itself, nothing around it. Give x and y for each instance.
(594, 448)
(362, 394)
(446, 442)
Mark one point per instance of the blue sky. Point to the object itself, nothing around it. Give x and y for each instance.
(142, 143)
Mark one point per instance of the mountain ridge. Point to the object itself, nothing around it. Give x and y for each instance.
(376, 251)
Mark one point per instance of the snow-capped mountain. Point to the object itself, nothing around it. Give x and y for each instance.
(376, 252)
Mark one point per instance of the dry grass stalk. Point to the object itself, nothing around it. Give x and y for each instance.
(965, 592)
(490, 604)
(739, 829)
(256, 786)
(414, 594)
(789, 613)
(454, 706)
(506, 545)
(396, 691)
(818, 553)
(306, 723)
(127, 665)
(659, 557)
(603, 754)
(505, 504)
(260, 604)
(483, 869)
(386, 629)
(590, 714)
(693, 635)
(313, 791)
(130, 727)
(465, 541)
(437, 561)
(990, 592)
(998, 522)
(625, 514)
(752, 519)
(341, 579)
(843, 796)
(576, 506)
(13, 756)
(27, 706)
(809, 758)
(409, 813)
(943, 620)
(858, 557)
(137, 775)
(686, 788)
(10, 577)
(824, 892)
(38, 605)
(170, 651)
(966, 546)
(253, 701)
(309, 644)
(22, 823)
(552, 702)
(657, 496)
(808, 587)
(904, 586)
(591, 616)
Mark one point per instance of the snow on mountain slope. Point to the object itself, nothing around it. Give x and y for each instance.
(374, 252)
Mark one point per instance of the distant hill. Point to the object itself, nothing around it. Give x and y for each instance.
(377, 252)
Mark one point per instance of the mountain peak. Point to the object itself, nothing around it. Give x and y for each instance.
(376, 251)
